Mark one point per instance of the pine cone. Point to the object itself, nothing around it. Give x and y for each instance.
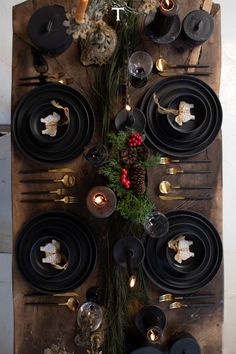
(143, 153)
(129, 156)
(137, 179)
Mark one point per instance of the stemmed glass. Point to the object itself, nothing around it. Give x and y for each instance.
(140, 65)
(157, 225)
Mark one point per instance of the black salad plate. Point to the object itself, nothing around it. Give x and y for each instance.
(77, 245)
(70, 139)
(194, 273)
(161, 133)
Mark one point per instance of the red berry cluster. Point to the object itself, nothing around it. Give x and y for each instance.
(135, 140)
(124, 180)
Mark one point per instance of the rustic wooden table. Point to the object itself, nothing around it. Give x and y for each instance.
(38, 328)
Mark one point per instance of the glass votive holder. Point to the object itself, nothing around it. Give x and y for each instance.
(140, 65)
(97, 155)
(90, 316)
(101, 201)
(157, 225)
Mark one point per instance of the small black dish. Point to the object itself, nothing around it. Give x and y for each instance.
(197, 27)
(148, 350)
(184, 343)
(149, 316)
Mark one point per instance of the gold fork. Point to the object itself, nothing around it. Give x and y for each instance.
(67, 200)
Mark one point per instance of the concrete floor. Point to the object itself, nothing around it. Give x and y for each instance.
(227, 96)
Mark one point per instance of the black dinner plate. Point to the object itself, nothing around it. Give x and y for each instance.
(70, 140)
(194, 274)
(161, 136)
(77, 243)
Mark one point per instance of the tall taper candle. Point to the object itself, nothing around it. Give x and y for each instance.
(80, 11)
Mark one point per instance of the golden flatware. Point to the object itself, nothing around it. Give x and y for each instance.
(60, 191)
(67, 180)
(72, 303)
(171, 297)
(162, 65)
(168, 160)
(166, 187)
(180, 197)
(50, 76)
(67, 200)
(179, 305)
(63, 169)
(71, 294)
(175, 171)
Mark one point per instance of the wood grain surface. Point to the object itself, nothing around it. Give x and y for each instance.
(37, 328)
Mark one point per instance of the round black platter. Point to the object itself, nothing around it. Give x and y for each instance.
(194, 273)
(70, 140)
(77, 244)
(164, 138)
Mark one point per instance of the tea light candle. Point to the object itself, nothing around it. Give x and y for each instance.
(101, 201)
(154, 334)
(169, 7)
(80, 11)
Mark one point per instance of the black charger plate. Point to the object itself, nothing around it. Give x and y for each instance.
(70, 140)
(77, 242)
(191, 276)
(161, 137)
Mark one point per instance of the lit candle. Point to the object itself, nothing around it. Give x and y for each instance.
(99, 200)
(80, 11)
(154, 334)
(132, 281)
(169, 7)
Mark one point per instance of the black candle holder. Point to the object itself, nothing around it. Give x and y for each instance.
(151, 321)
(128, 252)
(197, 27)
(164, 25)
(130, 119)
(47, 32)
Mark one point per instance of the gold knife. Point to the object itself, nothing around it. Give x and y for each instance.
(64, 169)
(168, 197)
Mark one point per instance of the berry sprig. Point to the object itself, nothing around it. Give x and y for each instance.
(124, 180)
(135, 140)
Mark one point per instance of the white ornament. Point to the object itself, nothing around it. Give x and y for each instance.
(51, 122)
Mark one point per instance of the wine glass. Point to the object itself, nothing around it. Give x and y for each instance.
(157, 225)
(140, 65)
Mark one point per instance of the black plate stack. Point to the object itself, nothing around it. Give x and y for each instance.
(77, 245)
(164, 134)
(70, 139)
(194, 273)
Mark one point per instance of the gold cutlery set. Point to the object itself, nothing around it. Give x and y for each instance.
(162, 67)
(72, 302)
(170, 298)
(68, 181)
(166, 187)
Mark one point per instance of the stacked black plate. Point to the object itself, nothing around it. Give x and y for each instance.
(194, 273)
(192, 137)
(70, 139)
(77, 245)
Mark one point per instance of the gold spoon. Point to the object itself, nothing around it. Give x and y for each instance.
(72, 303)
(168, 160)
(162, 65)
(171, 297)
(68, 181)
(166, 187)
(179, 305)
(175, 171)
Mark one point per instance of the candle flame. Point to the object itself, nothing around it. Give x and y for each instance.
(132, 281)
(128, 107)
(168, 3)
(99, 199)
(152, 336)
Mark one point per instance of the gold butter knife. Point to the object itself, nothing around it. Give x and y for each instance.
(63, 169)
(168, 197)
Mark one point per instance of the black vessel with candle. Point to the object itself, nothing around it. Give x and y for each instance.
(197, 27)
(184, 343)
(46, 30)
(164, 25)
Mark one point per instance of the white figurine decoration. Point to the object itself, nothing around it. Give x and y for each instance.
(52, 253)
(182, 248)
(184, 113)
(51, 122)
